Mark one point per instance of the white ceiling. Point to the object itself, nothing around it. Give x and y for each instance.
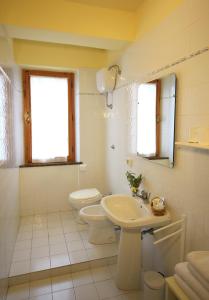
(128, 5)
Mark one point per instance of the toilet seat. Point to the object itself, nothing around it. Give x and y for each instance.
(86, 194)
(94, 212)
(85, 197)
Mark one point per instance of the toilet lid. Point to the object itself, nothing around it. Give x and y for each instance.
(85, 194)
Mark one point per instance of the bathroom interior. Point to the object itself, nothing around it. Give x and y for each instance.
(133, 81)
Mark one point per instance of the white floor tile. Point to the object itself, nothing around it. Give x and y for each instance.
(41, 226)
(62, 282)
(40, 234)
(88, 245)
(73, 236)
(40, 219)
(64, 295)
(84, 234)
(109, 250)
(107, 289)
(69, 228)
(81, 278)
(59, 260)
(38, 264)
(69, 223)
(58, 249)
(55, 231)
(75, 245)
(44, 242)
(20, 267)
(78, 256)
(18, 292)
(23, 254)
(136, 295)
(39, 242)
(42, 297)
(54, 217)
(86, 292)
(95, 253)
(22, 245)
(25, 227)
(24, 236)
(56, 239)
(101, 274)
(54, 225)
(40, 287)
(40, 252)
(67, 215)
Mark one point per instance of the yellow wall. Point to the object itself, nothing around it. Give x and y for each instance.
(89, 21)
(66, 16)
(57, 55)
(152, 12)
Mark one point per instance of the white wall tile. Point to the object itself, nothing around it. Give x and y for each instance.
(185, 187)
(46, 189)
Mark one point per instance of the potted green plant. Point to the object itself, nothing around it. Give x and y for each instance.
(134, 182)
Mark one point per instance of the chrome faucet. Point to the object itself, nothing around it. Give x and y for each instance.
(144, 195)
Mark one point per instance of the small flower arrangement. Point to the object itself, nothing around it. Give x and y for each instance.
(134, 182)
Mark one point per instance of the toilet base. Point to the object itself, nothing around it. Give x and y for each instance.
(79, 220)
(101, 234)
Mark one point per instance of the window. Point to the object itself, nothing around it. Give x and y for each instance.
(148, 116)
(5, 124)
(49, 116)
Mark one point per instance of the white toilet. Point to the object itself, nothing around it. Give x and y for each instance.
(101, 230)
(82, 198)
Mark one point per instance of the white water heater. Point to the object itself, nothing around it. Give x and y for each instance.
(106, 79)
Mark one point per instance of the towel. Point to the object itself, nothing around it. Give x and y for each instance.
(183, 272)
(200, 262)
(187, 290)
(198, 277)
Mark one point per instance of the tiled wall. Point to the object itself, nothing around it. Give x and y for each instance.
(185, 187)
(10, 158)
(46, 189)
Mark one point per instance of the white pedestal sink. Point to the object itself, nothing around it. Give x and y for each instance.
(131, 214)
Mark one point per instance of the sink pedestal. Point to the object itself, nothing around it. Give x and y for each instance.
(128, 275)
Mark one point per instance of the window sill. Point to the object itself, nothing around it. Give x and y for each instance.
(50, 164)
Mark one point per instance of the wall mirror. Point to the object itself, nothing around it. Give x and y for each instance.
(156, 120)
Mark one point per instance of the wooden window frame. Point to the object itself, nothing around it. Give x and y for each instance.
(27, 112)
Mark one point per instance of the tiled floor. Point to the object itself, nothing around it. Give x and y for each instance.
(54, 240)
(92, 284)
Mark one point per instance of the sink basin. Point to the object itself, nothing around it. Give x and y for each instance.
(132, 213)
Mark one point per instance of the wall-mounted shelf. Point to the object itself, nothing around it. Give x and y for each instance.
(193, 145)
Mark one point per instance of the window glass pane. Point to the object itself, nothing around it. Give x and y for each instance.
(49, 113)
(146, 120)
